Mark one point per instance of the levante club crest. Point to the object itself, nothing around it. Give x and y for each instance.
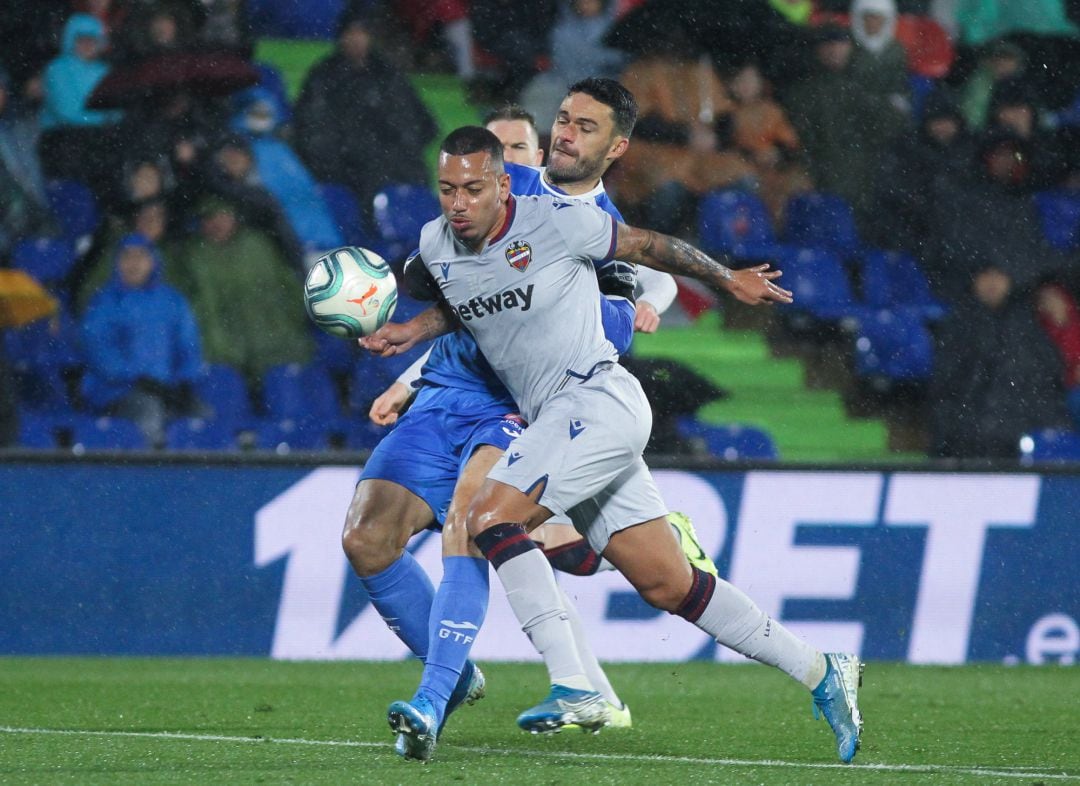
(519, 254)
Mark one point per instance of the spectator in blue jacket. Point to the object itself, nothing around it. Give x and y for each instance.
(283, 174)
(141, 344)
(75, 140)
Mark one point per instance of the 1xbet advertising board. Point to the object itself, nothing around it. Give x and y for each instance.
(246, 560)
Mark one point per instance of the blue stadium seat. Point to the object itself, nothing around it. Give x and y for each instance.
(199, 434)
(42, 390)
(51, 343)
(46, 259)
(303, 393)
(106, 433)
(362, 434)
(893, 347)
(1050, 446)
(731, 442)
(820, 285)
(290, 19)
(223, 389)
(736, 223)
(74, 207)
(336, 355)
(37, 431)
(822, 221)
(894, 280)
(1060, 214)
(401, 210)
(345, 210)
(371, 376)
(41, 354)
(285, 436)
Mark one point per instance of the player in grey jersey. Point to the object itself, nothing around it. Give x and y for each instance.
(515, 273)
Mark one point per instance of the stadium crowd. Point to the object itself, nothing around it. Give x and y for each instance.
(912, 165)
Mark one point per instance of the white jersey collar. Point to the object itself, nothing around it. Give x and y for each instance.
(597, 191)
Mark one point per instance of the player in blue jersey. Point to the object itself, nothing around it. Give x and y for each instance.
(459, 425)
(588, 424)
(655, 291)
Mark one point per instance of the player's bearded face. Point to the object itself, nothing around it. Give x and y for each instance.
(582, 138)
(472, 193)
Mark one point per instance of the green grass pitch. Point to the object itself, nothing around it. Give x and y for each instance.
(197, 721)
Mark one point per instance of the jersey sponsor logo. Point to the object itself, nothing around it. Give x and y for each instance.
(519, 255)
(507, 300)
(512, 426)
(512, 458)
(445, 268)
(450, 630)
(576, 428)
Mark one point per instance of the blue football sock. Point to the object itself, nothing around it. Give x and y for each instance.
(403, 594)
(456, 616)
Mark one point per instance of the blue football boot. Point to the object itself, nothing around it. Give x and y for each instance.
(416, 726)
(837, 699)
(565, 706)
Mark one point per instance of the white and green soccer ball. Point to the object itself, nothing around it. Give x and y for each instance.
(350, 292)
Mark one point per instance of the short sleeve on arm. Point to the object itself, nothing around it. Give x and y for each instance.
(419, 282)
(587, 230)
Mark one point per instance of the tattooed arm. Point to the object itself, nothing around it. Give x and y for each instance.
(670, 254)
(394, 338)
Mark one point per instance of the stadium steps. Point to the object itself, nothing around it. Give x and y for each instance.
(808, 425)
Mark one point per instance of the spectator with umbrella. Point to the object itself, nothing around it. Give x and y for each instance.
(175, 106)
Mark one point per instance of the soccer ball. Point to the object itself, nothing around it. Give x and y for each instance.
(350, 292)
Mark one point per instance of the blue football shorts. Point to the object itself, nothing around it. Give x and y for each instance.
(430, 445)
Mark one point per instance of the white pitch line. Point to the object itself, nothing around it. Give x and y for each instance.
(1031, 772)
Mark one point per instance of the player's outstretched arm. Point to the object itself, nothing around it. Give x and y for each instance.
(752, 285)
(395, 338)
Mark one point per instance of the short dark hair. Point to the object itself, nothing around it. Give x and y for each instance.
(510, 112)
(473, 139)
(624, 107)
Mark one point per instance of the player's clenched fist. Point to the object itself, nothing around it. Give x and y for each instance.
(384, 409)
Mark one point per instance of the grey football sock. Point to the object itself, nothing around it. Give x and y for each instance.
(536, 600)
(592, 666)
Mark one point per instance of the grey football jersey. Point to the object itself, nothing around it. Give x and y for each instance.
(530, 297)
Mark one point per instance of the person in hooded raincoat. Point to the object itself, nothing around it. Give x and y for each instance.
(76, 141)
(141, 343)
(246, 297)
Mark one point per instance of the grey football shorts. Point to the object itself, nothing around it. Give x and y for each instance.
(583, 452)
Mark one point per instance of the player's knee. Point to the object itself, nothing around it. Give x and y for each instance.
(665, 595)
(371, 541)
(482, 514)
(455, 536)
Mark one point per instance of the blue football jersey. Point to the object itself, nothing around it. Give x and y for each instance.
(455, 359)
